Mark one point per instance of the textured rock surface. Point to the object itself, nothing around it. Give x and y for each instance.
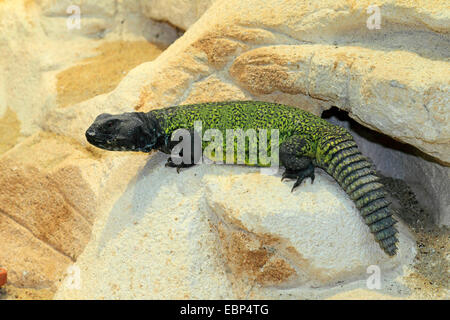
(49, 197)
(181, 13)
(169, 235)
(36, 34)
(398, 93)
(192, 235)
(329, 247)
(51, 186)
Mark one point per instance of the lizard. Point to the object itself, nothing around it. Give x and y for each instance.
(306, 141)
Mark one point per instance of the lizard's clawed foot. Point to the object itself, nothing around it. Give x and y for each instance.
(171, 164)
(299, 175)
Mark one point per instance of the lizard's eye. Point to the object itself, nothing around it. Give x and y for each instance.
(110, 124)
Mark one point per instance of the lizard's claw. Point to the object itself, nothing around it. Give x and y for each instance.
(300, 180)
(300, 175)
(171, 164)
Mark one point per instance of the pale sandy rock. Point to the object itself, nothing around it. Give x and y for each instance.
(44, 196)
(43, 266)
(37, 35)
(43, 230)
(205, 90)
(179, 13)
(99, 19)
(59, 17)
(181, 235)
(158, 244)
(103, 8)
(9, 130)
(313, 237)
(24, 87)
(51, 189)
(400, 94)
(362, 294)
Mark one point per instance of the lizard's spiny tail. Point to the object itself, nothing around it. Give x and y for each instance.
(343, 161)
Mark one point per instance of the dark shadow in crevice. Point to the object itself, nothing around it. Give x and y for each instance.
(376, 137)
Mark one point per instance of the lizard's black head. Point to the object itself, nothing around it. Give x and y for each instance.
(131, 131)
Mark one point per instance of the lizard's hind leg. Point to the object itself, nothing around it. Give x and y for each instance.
(298, 166)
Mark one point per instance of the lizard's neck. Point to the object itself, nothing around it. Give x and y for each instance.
(154, 125)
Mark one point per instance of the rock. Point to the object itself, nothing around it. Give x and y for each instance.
(101, 74)
(36, 34)
(9, 130)
(41, 211)
(51, 187)
(51, 191)
(401, 95)
(313, 236)
(361, 294)
(22, 89)
(180, 13)
(41, 265)
(206, 234)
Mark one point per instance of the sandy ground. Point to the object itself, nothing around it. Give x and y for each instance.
(429, 278)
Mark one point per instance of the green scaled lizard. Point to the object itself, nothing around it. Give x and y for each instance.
(305, 141)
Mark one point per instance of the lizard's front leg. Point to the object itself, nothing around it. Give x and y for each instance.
(172, 164)
(194, 151)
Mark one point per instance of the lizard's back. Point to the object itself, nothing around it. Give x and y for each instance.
(244, 115)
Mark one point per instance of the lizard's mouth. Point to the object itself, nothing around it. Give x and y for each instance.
(114, 143)
(99, 141)
(93, 138)
(111, 144)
